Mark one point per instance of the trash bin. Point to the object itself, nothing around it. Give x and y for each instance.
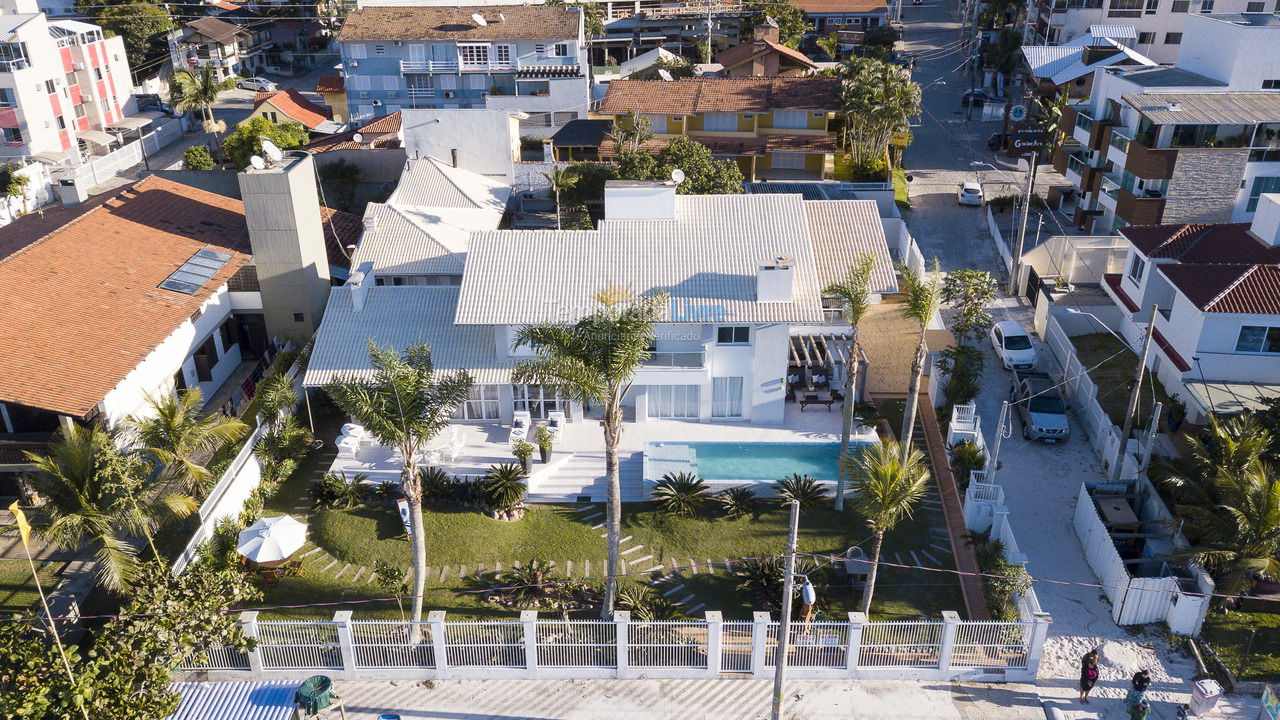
(1204, 695)
(314, 694)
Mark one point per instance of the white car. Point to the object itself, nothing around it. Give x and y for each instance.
(1013, 345)
(970, 193)
(256, 83)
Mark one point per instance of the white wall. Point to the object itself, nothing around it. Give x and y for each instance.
(1242, 56)
(1240, 212)
(434, 133)
(1076, 22)
(564, 96)
(1216, 349)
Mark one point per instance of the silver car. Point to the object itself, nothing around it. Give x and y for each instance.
(1036, 399)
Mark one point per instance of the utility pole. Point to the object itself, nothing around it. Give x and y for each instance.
(1132, 410)
(993, 462)
(1016, 264)
(784, 627)
(709, 29)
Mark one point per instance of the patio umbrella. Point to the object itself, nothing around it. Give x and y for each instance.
(272, 540)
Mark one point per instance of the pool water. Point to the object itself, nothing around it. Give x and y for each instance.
(765, 462)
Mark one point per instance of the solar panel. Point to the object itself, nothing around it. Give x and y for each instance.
(194, 273)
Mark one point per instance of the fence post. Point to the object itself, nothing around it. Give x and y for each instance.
(715, 636)
(857, 621)
(759, 636)
(435, 621)
(621, 619)
(346, 644)
(950, 623)
(1039, 633)
(529, 619)
(249, 625)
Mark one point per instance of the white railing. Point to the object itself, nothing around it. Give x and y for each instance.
(965, 425)
(529, 647)
(1104, 436)
(422, 92)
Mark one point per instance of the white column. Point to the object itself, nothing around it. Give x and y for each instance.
(1039, 633)
(346, 644)
(249, 625)
(715, 638)
(435, 622)
(857, 621)
(759, 633)
(621, 618)
(529, 619)
(951, 622)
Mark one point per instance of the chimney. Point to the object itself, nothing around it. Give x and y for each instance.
(1097, 53)
(767, 30)
(453, 156)
(359, 283)
(775, 279)
(639, 200)
(1266, 221)
(282, 210)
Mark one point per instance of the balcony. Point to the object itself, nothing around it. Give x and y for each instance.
(1117, 147)
(1075, 170)
(1082, 130)
(14, 64)
(422, 92)
(675, 360)
(452, 66)
(1108, 192)
(1147, 162)
(1140, 209)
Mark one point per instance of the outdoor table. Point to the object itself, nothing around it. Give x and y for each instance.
(823, 398)
(1117, 513)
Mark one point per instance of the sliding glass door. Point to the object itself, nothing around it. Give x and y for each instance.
(726, 397)
(672, 401)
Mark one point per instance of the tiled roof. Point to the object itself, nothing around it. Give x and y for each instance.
(330, 84)
(1199, 243)
(1236, 288)
(429, 182)
(503, 22)
(1113, 281)
(747, 146)
(1223, 108)
(739, 54)
(341, 229)
(697, 95)
(582, 133)
(82, 304)
(830, 7)
(346, 141)
(841, 231)
(292, 104)
(215, 29)
(384, 125)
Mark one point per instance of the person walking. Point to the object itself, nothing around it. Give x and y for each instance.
(1088, 674)
(1141, 681)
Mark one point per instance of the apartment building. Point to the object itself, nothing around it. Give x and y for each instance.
(1196, 142)
(1159, 25)
(232, 45)
(773, 127)
(497, 57)
(62, 85)
(1070, 67)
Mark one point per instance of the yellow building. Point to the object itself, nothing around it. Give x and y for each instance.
(775, 128)
(333, 91)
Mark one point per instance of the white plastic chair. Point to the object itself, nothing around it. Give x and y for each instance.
(555, 423)
(520, 424)
(354, 430)
(347, 446)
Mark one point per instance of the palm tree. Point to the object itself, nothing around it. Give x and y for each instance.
(888, 482)
(96, 497)
(180, 440)
(594, 360)
(560, 179)
(1051, 119)
(198, 92)
(403, 405)
(830, 44)
(922, 298)
(275, 396)
(1239, 537)
(878, 99)
(854, 294)
(1224, 448)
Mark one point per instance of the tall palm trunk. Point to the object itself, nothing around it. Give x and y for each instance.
(413, 494)
(913, 394)
(612, 425)
(846, 412)
(870, 588)
(558, 209)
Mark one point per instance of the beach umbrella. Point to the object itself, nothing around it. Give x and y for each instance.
(272, 539)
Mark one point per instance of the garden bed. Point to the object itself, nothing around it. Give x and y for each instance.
(1228, 634)
(1116, 365)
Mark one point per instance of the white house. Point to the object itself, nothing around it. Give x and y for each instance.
(1216, 341)
(1160, 27)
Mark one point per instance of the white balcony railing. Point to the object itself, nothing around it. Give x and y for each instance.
(422, 92)
(681, 360)
(15, 64)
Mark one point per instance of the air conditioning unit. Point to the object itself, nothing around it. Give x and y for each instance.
(377, 103)
(364, 96)
(77, 65)
(448, 94)
(354, 64)
(399, 43)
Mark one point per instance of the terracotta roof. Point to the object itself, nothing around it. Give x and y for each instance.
(757, 146)
(1199, 243)
(1113, 281)
(1233, 288)
(801, 143)
(831, 7)
(293, 105)
(82, 304)
(215, 29)
(340, 230)
(389, 123)
(1164, 344)
(346, 141)
(696, 95)
(518, 22)
(739, 54)
(330, 84)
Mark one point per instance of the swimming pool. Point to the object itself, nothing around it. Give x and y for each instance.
(730, 462)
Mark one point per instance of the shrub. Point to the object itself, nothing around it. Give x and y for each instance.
(197, 157)
(1001, 581)
(737, 502)
(801, 489)
(681, 494)
(645, 605)
(503, 487)
(762, 581)
(436, 484)
(386, 491)
(966, 457)
(522, 450)
(963, 367)
(527, 585)
(334, 490)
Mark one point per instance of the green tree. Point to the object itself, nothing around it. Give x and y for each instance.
(789, 19)
(343, 177)
(138, 23)
(197, 157)
(246, 140)
(97, 498)
(198, 91)
(1050, 112)
(592, 24)
(588, 187)
(560, 179)
(631, 133)
(636, 165)
(180, 439)
(962, 366)
(594, 360)
(888, 482)
(1002, 56)
(15, 184)
(830, 44)
(403, 406)
(854, 296)
(970, 292)
(703, 174)
(577, 217)
(877, 99)
(922, 300)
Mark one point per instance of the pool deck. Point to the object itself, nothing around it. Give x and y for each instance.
(577, 468)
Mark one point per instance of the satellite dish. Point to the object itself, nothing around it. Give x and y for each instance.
(358, 137)
(479, 19)
(677, 176)
(662, 73)
(271, 151)
(257, 162)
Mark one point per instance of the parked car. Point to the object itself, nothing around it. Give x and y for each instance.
(1036, 399)
(1013, 345)
(256, 83)
(154, 102)
(970, 193)
(976, 97)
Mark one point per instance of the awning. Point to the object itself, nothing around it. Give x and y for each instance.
(97, 137)
(131, 123)
(1230, 398)
(820, 350)
(52, 158)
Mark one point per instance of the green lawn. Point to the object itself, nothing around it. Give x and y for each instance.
(901, 189)
(1114, 376)
(17, 592)
(1228, 634)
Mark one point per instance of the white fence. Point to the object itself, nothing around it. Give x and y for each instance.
(1001, 245)
(101, 168)
(226, 500)
(535, 648)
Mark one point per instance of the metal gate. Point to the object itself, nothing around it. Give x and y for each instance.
(735, 647)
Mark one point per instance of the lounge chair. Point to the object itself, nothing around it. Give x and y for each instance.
(555, 424)
(520, 424)
(347, 446)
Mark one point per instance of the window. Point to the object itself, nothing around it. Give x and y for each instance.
(299, 317)
(481, 404)
(720, 122)
(62, 124)
(1258, 339)
(560, 50)
(1271, 84)
(357, 51)
(1146, 38)
(1255, 7)
(448, 82)
(105, 104)
(12, 135)
(359, 82)
(1206, 6)
(1125, 8)
(473, 54)
(657, 123)
(1180, 6)
(1261, 185)
(538, 401)
(97, 73)
(50, 87)
(726, 397)
(1136, 266)
(477, 82)
(228, 333)
(1173, 38)
(502, 54)
(790, 119)
(205, 358)
(672, 401)
(733, 335)
(1152, 7)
